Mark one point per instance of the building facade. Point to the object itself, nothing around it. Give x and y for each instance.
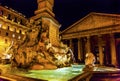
(12, 27)
(98, 33)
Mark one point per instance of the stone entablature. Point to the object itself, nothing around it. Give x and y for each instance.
(91, 32)
(93, 24)
(97, 33)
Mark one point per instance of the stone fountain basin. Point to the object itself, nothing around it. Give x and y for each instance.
(77, 67)
(60, 74)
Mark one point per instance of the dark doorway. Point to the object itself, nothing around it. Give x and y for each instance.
(75, 45)
(107, 54)
(118, 54)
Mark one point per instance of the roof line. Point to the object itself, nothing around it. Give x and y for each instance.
(92, 13)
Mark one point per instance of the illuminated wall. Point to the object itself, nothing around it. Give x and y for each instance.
(12, 27)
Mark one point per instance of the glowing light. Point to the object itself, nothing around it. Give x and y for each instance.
(19, 37)
(13, 35)
(0, 25)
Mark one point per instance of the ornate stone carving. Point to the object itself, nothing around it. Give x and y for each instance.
(37, 52)
(89, 62)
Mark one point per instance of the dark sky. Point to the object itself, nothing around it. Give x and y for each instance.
(67, 11)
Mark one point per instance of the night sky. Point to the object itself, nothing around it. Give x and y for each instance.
(67, 11)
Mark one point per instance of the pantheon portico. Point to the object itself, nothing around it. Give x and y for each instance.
(98, 33)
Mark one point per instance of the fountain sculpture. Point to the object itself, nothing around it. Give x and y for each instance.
(36, 51)
(41, 47)
(89, 62)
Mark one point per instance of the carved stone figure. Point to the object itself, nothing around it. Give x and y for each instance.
(89, 61)
(36, 51)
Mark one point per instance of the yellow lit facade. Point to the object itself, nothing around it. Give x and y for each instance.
(12, 27)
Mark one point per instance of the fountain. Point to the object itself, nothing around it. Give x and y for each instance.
(41, 51)
(36, 51)
(89, 62)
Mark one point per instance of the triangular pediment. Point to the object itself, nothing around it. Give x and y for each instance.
(93, 21)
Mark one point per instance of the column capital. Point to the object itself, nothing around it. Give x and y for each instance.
(88, 37)
(100, 36)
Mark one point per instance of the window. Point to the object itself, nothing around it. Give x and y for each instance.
(15, 19)
(8, 27)
(9, 16)
(21, 21)
(20, 31)
(6, 33)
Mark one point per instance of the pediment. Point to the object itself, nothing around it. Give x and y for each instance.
(93, 21)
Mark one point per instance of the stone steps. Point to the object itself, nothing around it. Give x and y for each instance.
(106, 76)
